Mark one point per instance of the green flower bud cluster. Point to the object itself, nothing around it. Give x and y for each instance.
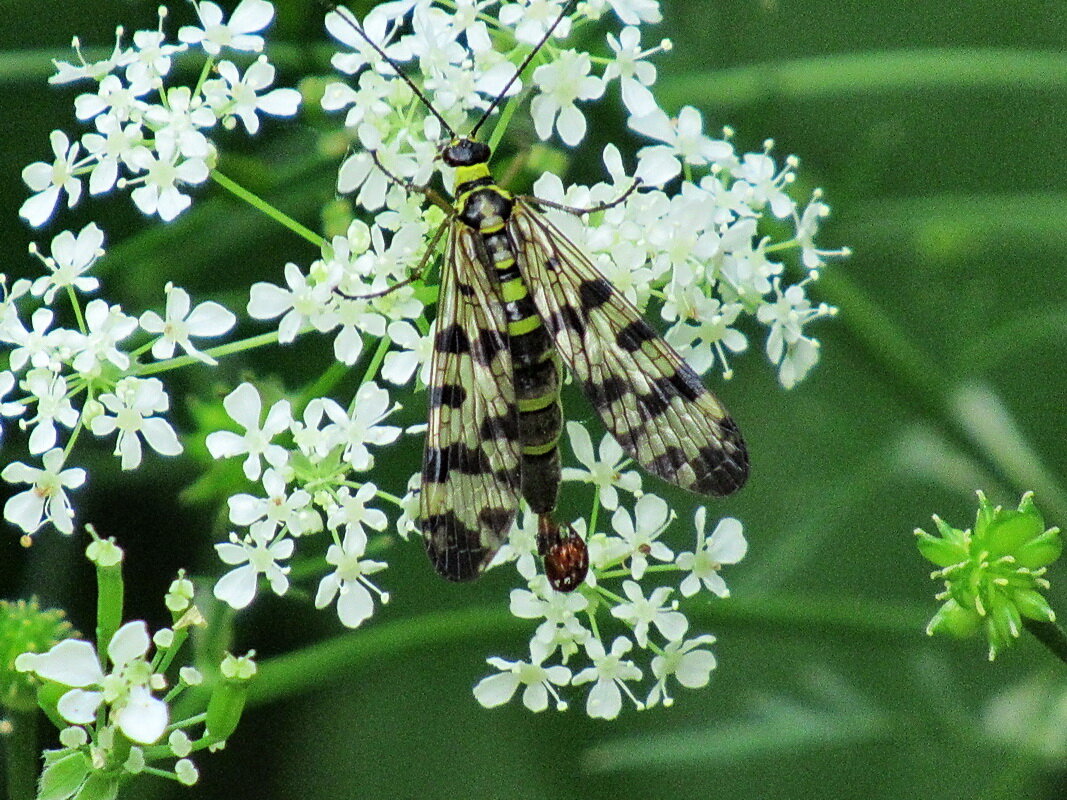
(993, 574)
(26, 628)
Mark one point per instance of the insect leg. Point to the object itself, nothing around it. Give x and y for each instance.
(410, 186)
(580, 211)
(414, 276)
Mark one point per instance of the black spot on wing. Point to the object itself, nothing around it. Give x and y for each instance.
(722, 466)
(684, 382)
(565, 319)
(632, 336)
(603, 393)
(451, 395)
(667, 464)
(505, 427)
(439, 463)
(497, 520)
(490, 343)
(452, 340)
(594, 293)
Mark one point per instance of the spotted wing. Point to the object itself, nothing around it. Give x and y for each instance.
(470, 471)
(652, 401)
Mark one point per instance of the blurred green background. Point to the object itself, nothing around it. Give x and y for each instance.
(937, 133)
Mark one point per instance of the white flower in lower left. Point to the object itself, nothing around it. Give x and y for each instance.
(46, 499)
(126, 690)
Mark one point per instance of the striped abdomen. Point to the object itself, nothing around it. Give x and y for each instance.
(486, 209)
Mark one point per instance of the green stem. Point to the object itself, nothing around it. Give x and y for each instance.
(271, 211)
(1049, 634)
(250, 343)
(21, 754)
(441, 631)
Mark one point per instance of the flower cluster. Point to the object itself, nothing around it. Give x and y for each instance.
(152, 137)
(570, 625)
(993, 572)
(112, 717)
(305, 489)
(86, 377)
(690, 238)
(685, 235)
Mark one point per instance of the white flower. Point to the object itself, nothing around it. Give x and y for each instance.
(37, 346)
(95, 70)
(635, 74)
(521, 547)
(179, 324)
(134, 404)
(705, 333)
(807, 225)
(726, 545)
(151, 57)
(115, 143)
(112, 98)
(532, 19)
(690, 667)
(46, 498)
(602, 472)
(48, 180)
(8, 408)
(640, 612)
(352, 511)
(126, 690)
(540, 683)
(311, 437)
(164, 170)
(609, 670)
(53, 405)
(361, 428)
(640, 533)
(296, 305)
(107, 326)
(244, 406)
(765, 183)
(563, 81)
(786, 342)
(685, 143)
(70, 257)
(255, 554)
(214, 34)
(400, 365)
(178, 123)
(236, 96)
(355, 603)
(631, 12)
(562, 627)
(290, 510)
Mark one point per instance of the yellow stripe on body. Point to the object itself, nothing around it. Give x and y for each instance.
(537, 403)
(525, 325)
(470, 173)
(539, 450)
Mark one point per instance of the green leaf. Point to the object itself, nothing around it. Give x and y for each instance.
(64, 773)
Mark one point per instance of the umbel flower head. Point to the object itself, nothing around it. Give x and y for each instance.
(993, 573)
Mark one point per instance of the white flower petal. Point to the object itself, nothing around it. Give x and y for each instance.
(496, 689)
(79, 706)
(143, 718)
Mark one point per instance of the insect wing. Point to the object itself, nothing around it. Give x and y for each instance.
(470, 475)
(650, 399)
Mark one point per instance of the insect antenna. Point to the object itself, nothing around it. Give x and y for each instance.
(348, 17)
(522, 67)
